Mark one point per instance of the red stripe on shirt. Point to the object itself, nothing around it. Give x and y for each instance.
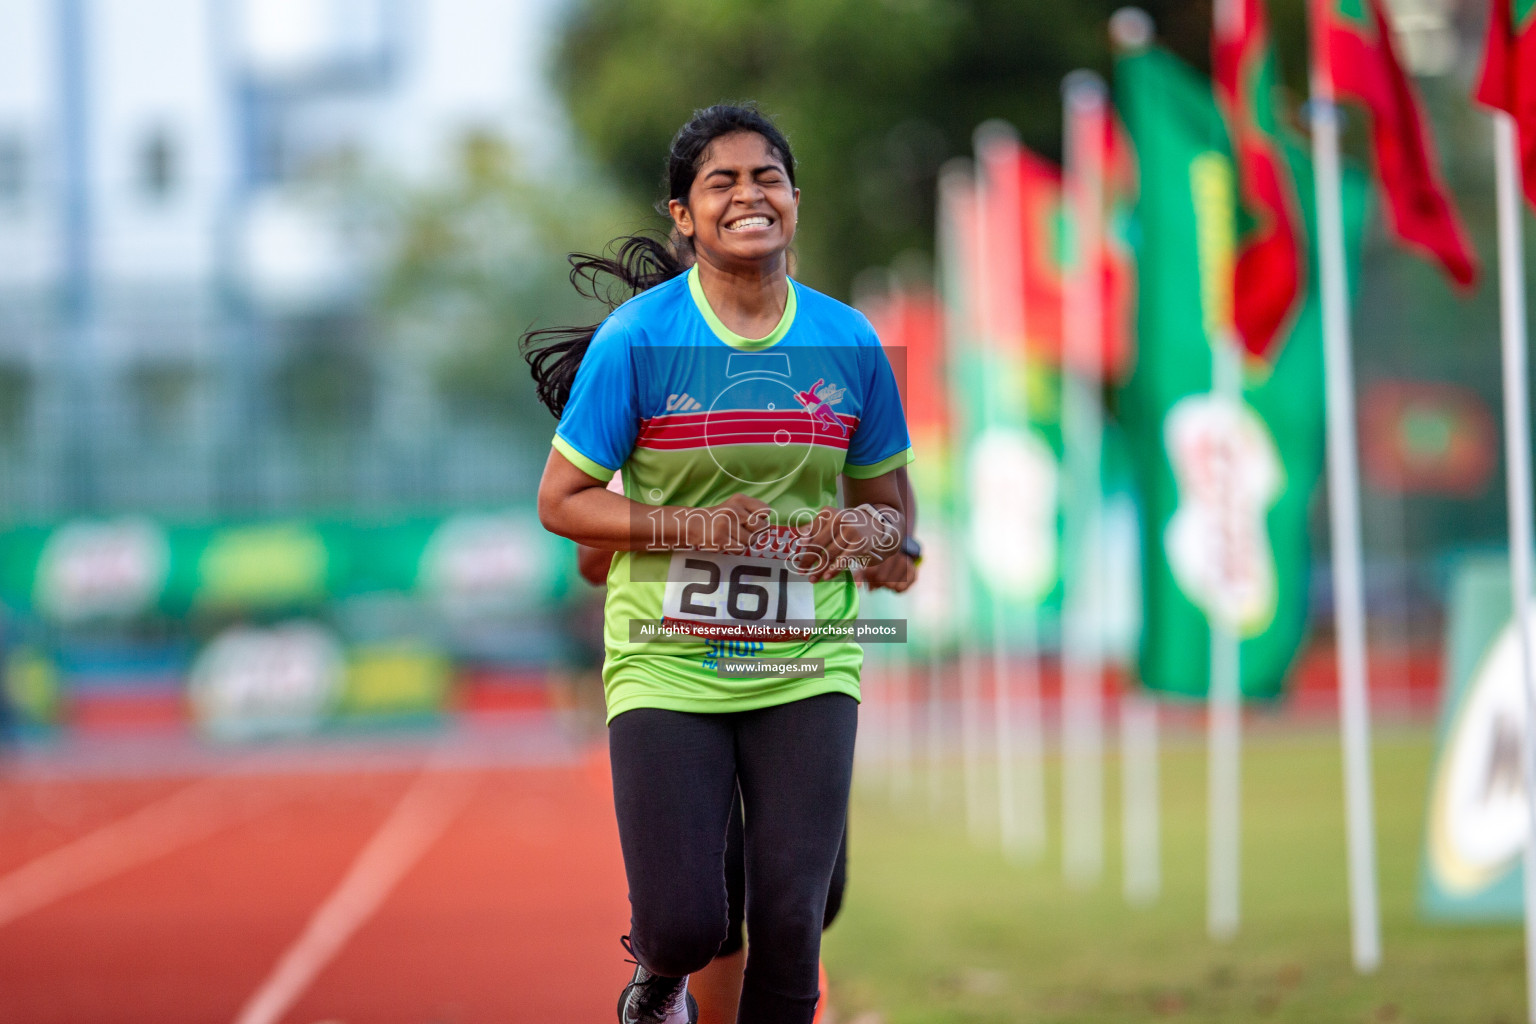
(742, 426)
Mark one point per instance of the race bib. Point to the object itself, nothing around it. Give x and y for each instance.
(737, 596)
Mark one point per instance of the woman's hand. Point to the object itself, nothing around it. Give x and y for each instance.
(896, 574)
(840, 539)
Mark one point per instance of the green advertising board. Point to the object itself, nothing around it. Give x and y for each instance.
(126, 568)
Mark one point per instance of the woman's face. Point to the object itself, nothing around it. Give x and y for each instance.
(741, 208)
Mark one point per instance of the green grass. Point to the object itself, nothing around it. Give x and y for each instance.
(937, 929)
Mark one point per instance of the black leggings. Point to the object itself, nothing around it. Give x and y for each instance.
(736, 883)
(675, 775)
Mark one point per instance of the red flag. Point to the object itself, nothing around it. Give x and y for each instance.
(1118, 256)
(1508, 82)
(1020, 188)
(1352, 48)
(1271, 264)
(912, 321)
(1043, 222)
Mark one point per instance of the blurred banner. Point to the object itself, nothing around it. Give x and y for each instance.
(280, 627)
(1176, 429)
(101, 569)
(1425, 437)
(1478, 819)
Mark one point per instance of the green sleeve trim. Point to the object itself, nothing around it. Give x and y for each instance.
(729, 336)
(581, 462)
(880, 468)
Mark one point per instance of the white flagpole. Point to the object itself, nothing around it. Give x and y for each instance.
(872, 746)
(1224, 695)
(899, 723)
(1224, 714)
(954, 178)
(1517, 442)
(1224, 788)
(933, 732)
(970, 741)
(1344, 516)
(880, 657)
(898, 718)
(992, 188)
(1021, 778)
(1082, 779)
(1141, 840)
(972, 676)
(869, 749)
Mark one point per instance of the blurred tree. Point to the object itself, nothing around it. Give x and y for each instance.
(477, 259)
(874, 94)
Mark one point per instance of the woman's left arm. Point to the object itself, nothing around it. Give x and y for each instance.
(868, 530)
(899, 571)
(884, 492)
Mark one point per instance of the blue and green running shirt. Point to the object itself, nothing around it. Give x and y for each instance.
(692, 414)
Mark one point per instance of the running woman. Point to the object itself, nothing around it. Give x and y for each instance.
(717, 987)
(729, 535)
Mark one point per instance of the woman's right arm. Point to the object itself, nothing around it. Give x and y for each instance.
(593, 564)
(575, 504)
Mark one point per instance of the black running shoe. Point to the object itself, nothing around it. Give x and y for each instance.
(651, 999)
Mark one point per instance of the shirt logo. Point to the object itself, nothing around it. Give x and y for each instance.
(683, 403)
(819, 400)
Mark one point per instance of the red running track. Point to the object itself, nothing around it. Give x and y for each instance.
(416, 893)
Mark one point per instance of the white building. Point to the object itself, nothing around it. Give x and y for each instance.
(152, 218)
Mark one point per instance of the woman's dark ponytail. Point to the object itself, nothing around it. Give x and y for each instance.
(640, 261)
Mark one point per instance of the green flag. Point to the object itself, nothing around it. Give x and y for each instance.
(1224, 488)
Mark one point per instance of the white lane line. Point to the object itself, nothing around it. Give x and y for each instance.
(418, 820)
(187, 815)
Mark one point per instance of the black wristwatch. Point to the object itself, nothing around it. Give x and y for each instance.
(912, 549)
